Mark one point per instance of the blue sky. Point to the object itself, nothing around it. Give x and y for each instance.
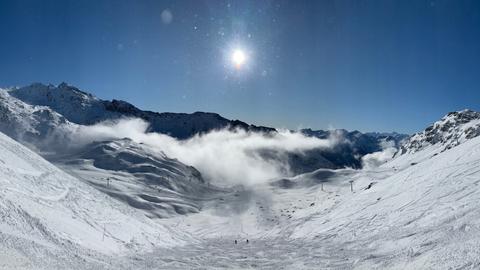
(366, 65)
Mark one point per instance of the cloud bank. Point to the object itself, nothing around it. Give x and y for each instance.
(222, 156)
(373, 160)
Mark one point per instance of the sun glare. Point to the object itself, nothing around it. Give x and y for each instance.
(238, 58)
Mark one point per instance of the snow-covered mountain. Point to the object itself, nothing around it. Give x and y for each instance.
(29, 124)
(51, 220)
(67, 106)
(140, 177)
(119, 204)
(450, 131)
(143, 178)
(83, 108)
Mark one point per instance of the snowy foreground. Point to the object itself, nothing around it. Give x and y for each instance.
(418, 211)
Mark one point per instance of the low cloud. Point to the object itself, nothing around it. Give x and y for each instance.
(222, 156)
(373, 160)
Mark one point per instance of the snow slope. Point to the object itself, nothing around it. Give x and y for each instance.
(139, 176)
(46, 213)
(145, 179)
(421, 216)
(32, 125)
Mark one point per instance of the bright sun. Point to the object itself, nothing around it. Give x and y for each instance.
(238, 58)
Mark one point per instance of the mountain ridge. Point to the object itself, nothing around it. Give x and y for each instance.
(448, 132)
(84, 108)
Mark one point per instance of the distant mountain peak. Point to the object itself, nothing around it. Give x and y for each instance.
(450, 131)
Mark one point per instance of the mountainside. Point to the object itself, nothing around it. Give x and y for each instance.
(82, 108)
(27, 123)
(51, 220)
(144, 179)
(418, 211)
(75, 107)
(450, 131)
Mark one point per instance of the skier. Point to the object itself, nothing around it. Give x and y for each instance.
(235, 241)
(247, 241)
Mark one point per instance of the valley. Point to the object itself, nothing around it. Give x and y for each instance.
(122, 203)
